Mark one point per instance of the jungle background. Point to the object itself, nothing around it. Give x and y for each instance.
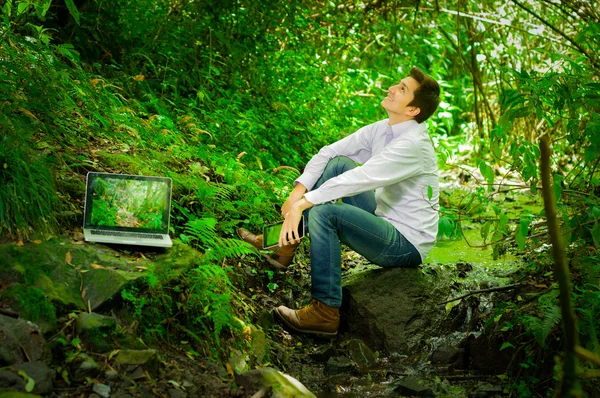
(231, 98)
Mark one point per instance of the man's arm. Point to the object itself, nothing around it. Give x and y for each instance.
(296, 194)
(289, 231)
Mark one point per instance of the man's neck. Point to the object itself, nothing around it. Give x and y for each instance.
(395, 119)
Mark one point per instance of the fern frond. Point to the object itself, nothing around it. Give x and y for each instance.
(542, 327)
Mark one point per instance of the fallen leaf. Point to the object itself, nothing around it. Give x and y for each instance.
(229, 370)
(138, 78)
(20, 243)
(68, 258)
(140, 267)
(37, 241)
(541, 286)
(94, 265)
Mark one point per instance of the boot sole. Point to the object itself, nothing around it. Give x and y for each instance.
(315, 332)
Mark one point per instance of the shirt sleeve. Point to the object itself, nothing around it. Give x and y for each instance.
(356, 146)
(397, 162)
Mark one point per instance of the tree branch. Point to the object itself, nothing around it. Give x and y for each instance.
(561, 273)
(492, 289)
(558, 31)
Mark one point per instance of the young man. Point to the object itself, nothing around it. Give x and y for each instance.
(389, 205)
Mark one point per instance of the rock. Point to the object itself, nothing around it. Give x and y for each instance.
(38, 371)
(362, 355)
(93, 330)
(135, 357)
(29, 303)
(487, 391)
(102, 285)
(111, 375)
(102, 389)
(284, 386)
(21, 341)
(175, 393)
(445, 354)
(92, 322)
(485, 355)
(15, 394)
(84, 366)
(413, 386)
(322, 354)
(339, 365)
(394, 309)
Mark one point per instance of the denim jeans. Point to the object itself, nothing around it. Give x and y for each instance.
(353, 222)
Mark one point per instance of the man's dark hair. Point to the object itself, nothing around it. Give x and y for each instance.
(427, 96)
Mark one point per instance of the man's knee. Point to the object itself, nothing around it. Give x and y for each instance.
(319, 213)
(339, 164)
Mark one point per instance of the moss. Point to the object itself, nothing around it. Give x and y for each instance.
(32, 304)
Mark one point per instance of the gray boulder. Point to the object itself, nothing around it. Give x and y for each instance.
(394, 310)
(21, 341)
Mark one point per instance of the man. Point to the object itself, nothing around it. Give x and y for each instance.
(388, 210)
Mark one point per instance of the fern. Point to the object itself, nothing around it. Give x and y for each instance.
(204, 233)
(541, 328)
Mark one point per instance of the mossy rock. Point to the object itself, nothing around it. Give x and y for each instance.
(31, 303)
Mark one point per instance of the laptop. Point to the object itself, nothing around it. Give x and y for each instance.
(127, 209)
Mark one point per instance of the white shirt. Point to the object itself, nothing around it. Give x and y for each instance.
(400, 169)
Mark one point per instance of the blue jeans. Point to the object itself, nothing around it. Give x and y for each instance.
(354, 223)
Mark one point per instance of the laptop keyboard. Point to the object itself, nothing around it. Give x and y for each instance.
(126, 234)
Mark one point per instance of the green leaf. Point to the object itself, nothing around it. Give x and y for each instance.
(22, 7)
(30, 382)
(520, 238)
(558, 179)
(41, 8)
(429, 192)
(73, 10)
(7, 9)
(487, 172)
(506, 345)
(596, 235)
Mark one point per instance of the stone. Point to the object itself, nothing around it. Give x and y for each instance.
(445, 354)
(484, 347)
(102, 285)
(322, 354)
(128, 361)
(38, 371)
(15, 394)
(394, 310)
(487, 391)
(21, 341)
(175, 393)
(361, 354)
(413, 386)
(339, 365)
(283, 386)
(102, 389)
(92, 322)
(84, 366)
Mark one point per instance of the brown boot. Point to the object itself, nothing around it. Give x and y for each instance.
(281, 258)
(249, 237)
(315, 318)
(285, 254)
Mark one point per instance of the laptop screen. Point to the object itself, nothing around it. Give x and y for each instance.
(127, 203)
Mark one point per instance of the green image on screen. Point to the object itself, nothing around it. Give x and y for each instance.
(128, 203)
(271, 235)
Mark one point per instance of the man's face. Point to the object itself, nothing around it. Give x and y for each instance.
(398, 98)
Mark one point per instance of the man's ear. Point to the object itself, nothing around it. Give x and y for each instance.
(413, 111)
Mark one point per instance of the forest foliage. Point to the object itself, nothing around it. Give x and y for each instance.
(231, 98)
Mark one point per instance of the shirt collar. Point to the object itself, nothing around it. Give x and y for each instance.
(403, 127)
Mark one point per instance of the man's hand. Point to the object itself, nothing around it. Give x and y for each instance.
(294, 197)
(289, 231)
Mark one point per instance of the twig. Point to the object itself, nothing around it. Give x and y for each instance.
(558, 31)
(492, 289)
